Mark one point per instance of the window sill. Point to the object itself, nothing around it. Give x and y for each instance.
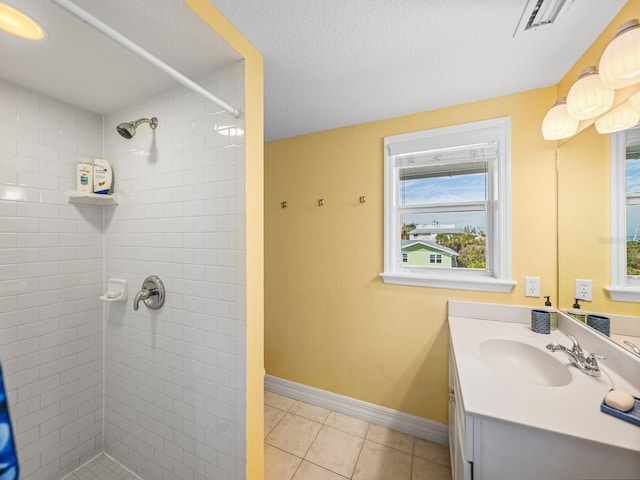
(623, 294)
(479, 284)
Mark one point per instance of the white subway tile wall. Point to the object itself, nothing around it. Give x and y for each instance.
(175, 377)
(51, 274)
(170, 383)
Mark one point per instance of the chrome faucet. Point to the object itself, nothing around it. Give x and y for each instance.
(633, 347)
(587, 364)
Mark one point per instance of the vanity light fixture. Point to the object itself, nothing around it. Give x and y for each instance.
(588, 97)
(620, 118)
(17, 23)
(634, 100)
(557, 123)
(620, 61)
(592, 98)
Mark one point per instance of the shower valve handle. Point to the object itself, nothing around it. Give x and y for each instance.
(152, 293)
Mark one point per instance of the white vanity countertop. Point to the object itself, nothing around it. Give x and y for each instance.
(572, 409)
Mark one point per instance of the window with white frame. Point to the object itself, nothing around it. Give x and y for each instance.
(625, 216)
(447, 207)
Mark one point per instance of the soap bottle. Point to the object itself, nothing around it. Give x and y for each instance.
(553, 314)
(84, 178)
(102, 176)
(576, 313)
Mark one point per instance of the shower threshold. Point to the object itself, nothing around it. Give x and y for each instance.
(102, 467)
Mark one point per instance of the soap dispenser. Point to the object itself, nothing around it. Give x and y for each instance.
(576, 313)
(553, 314)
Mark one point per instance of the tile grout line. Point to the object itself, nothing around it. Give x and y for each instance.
(413, 457)
(297, 468)
(123, 466)
(83, 465)
(314, 438)
(310, 444)
(365, 438)
(360, 452)
(288, 453)
(324, 424)
(277, 423)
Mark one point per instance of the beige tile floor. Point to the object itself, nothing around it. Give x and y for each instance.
(305, 442)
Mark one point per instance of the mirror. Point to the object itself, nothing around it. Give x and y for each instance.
(584, 232)
(584, 207)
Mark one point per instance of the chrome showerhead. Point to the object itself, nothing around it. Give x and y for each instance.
(128, 129)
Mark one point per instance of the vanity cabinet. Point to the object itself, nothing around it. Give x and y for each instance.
(460, 428)
(493, 447)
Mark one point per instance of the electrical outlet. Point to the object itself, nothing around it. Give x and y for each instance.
(584, 290)
(532, 286)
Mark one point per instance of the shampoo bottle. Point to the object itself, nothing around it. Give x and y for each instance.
(102, 176)
(84, 177)
(552, 313)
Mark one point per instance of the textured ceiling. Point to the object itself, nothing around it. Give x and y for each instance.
(328, 63)
(334, 63)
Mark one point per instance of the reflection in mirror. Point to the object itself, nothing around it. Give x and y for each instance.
(592, 242)
(626, 167)
(598, 205)
(625, 331)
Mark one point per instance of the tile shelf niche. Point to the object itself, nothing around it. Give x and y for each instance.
(83, 198)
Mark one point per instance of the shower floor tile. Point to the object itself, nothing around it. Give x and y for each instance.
(101, 467)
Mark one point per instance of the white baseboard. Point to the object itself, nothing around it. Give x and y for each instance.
(369, 412)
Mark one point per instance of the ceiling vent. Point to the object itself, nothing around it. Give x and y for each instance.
(537, 13)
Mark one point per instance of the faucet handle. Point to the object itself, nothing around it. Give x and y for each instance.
(593, 358)
(151, 293)
(577, 349)
(591, 364)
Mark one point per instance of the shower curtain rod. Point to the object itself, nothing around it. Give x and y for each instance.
(116, 36)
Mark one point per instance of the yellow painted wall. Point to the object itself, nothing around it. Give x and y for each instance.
(330, 321)
(584, 196)
(254, 175)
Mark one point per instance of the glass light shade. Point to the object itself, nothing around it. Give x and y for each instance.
(557, 123)
(588, 97)
(620, 118)
(620, 63)
(635, 101)
(17, 23)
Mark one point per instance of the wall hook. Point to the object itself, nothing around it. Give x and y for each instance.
(363, 199)
(284, 204)
(321, 202)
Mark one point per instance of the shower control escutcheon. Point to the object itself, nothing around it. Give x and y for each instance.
(152, 293)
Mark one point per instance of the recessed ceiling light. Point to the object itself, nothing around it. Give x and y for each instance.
(19, 24)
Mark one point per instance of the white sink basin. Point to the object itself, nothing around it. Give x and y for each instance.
(525, 363)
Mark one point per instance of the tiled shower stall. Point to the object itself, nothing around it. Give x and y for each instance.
(161, 391)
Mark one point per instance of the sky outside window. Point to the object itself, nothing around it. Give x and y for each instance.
(445, 190)
(633, 186)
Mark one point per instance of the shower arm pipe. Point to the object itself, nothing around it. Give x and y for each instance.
(116, 36)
